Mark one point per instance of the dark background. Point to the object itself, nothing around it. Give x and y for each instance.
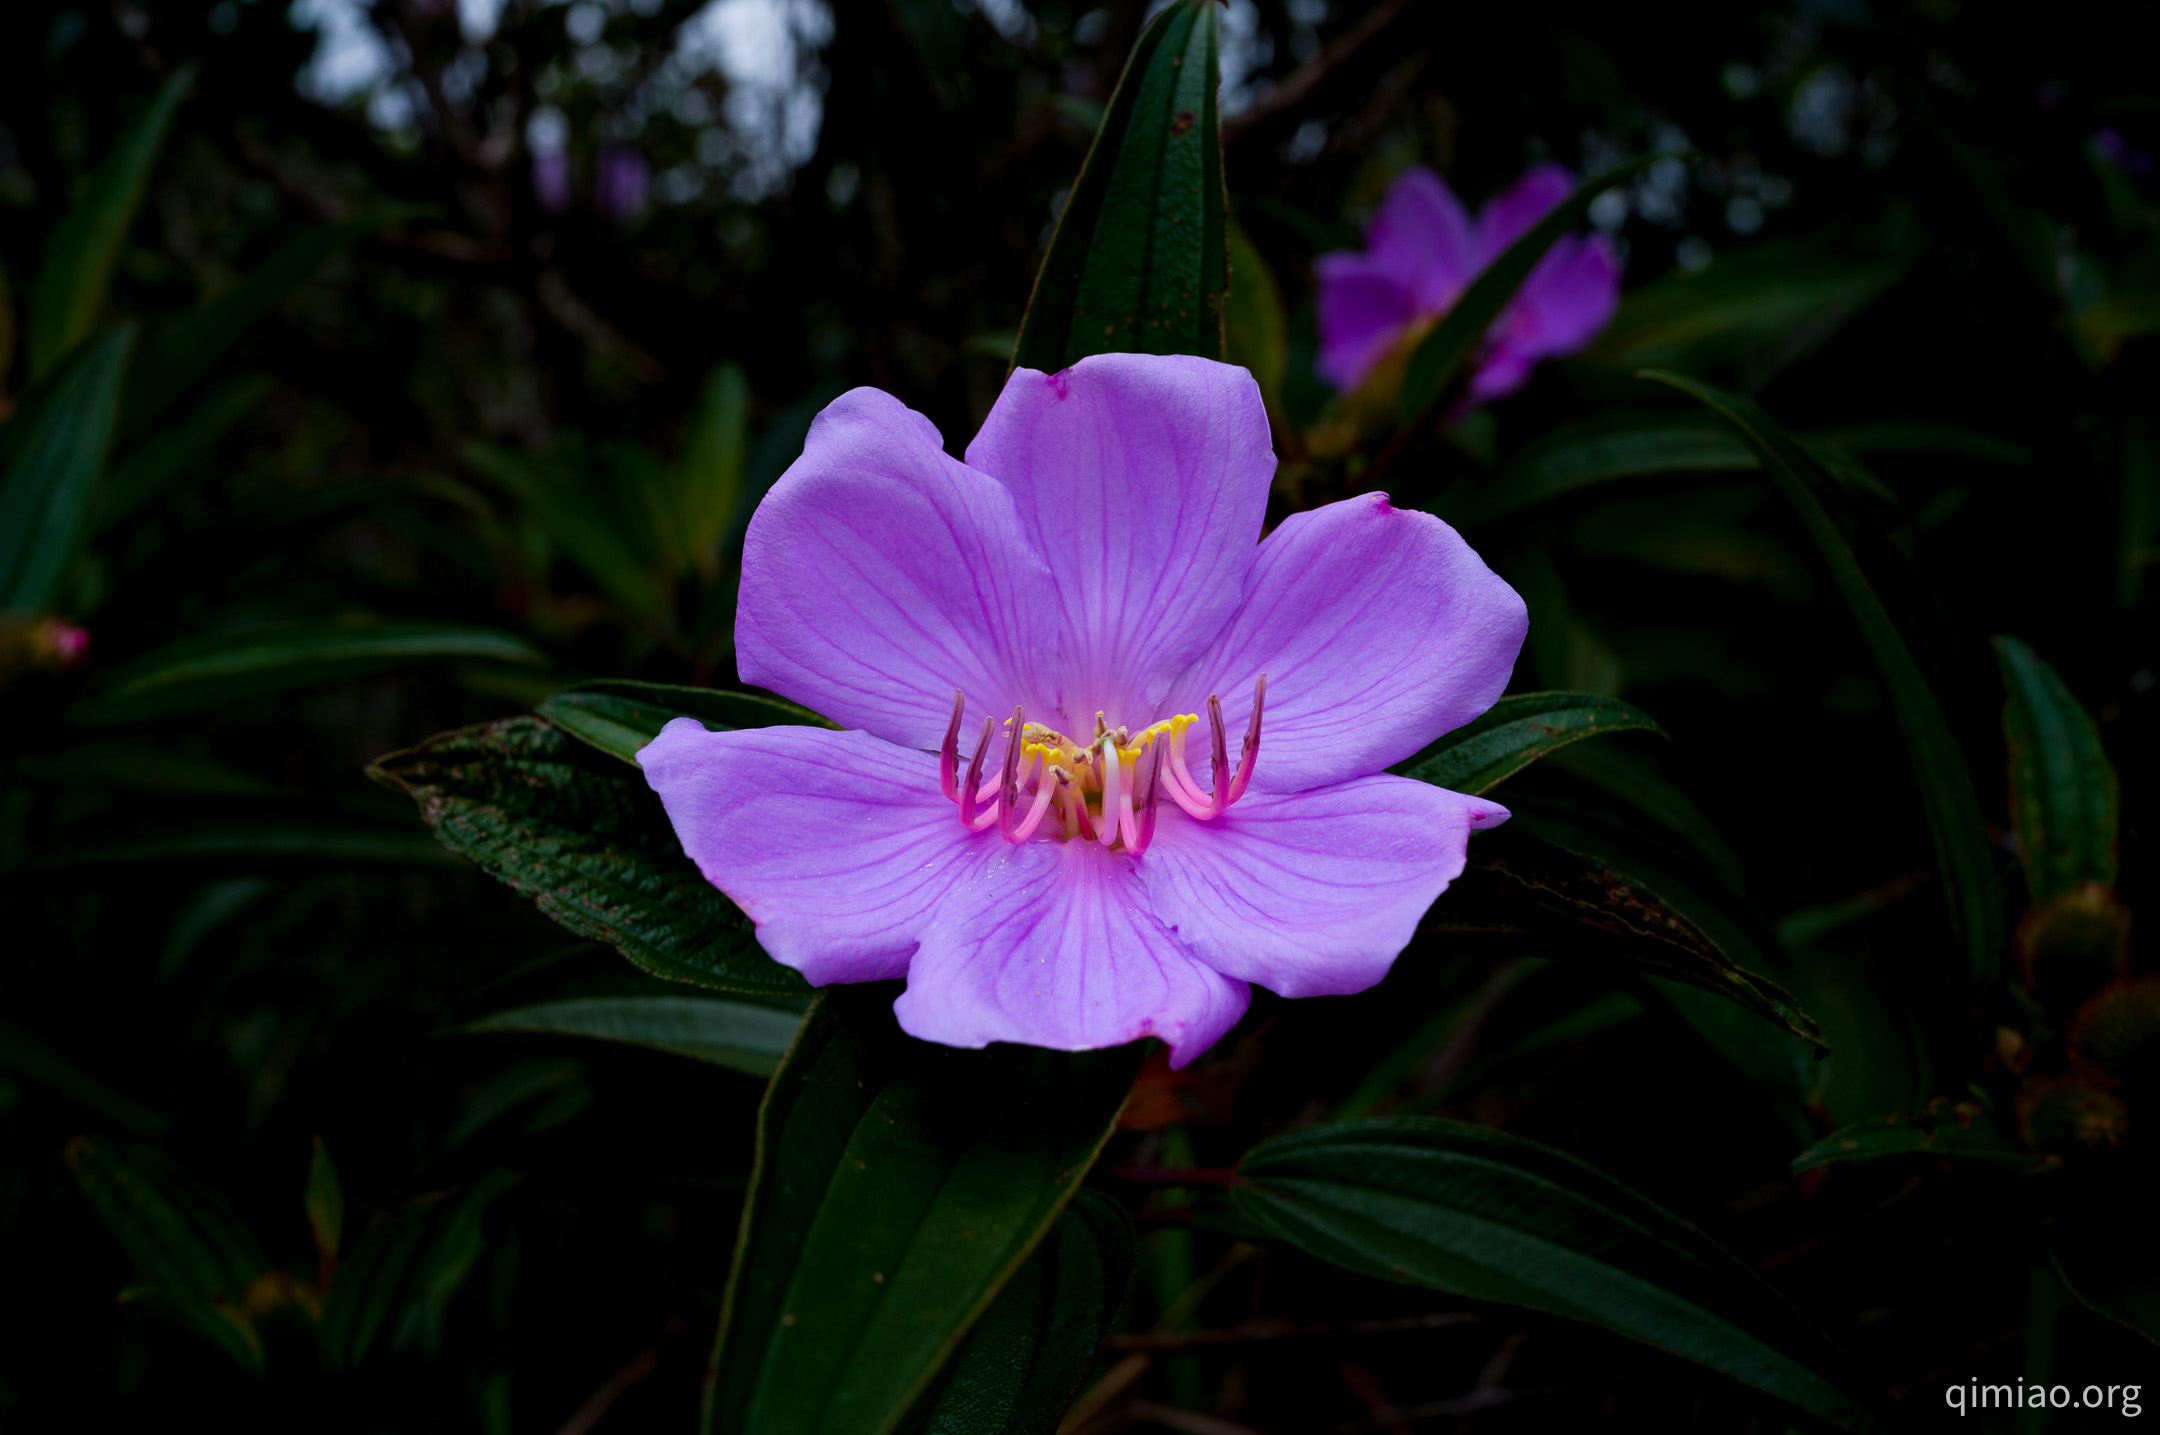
(1962, 183)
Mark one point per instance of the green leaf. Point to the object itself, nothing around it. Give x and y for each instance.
(1594, 452)
(50, 489)
(178, 355)
(215, 669)
(736, 1035)
(25, 1054)
(184, 1241)
(1751, 313)
(619, 717)
(1534, 894)
(69, 297)
(1139, 262)
(407, 1268)
(1946, 1131)
(325, 1203)
(710, 467)
(1445, 353)
(1515, 732)
(270, 836)
(1839, 529)
(589, 844)
(1256, 335)
(572, 508)
(1481, 1214)
(1029, 1354)
(899, 1186)
(1927, 438)
(170, 452)
(2064, 799)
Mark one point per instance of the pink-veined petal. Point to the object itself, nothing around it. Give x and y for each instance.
(1065, 955)
(1379, 629)
(1142, 481)
(1311, 893)
(880, 574)
(837, 844)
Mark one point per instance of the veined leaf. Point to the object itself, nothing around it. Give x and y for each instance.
(2064, 799)
(183, 1240)
(408, 1267)
(619, 717)
(175, 357)
(1026, 1358)
(736, 1035)
(899, 1186)
(1515, 732)
(214, 669)
(50, 489)
(80, 252)
(1482, 1214)
(1946, 787)
(1443, 354)
(1946, 1131)
(591, 846)
(1535, 894)
(1139, 262)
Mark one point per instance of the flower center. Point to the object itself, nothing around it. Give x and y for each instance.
(1104, 788)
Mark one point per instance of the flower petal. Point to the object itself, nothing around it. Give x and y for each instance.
(1362, 311)
(1378, 628)
(1312, 893)
(838, 845)
(1424, 239)
(1565, 303)
(1513, 212)
(1065, 956)
(880, 574)
(1142, 481)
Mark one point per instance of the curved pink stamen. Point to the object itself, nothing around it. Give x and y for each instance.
(1112, 771)
(1250, 753)
(968, 794)
(949, 754)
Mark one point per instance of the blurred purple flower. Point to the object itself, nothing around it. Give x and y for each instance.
(1422, 250)
(551, 179)
(1091, 577)
(623, 182)
(2118, 152)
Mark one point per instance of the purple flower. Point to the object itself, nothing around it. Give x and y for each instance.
(1106, 866)
(623, 180)
(1422, 250)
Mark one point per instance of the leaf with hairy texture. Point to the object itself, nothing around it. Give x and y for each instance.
(1839, 529)
(1946, 1131)
(1535, 894)
(900, 1185)
(209, 671)
(736, 1035)
(49, 492)
(620, 717)
(1444, 354)
(80, 252)
(1139, 262)
(1028, 1355)
(589, 844)
(1483, 1214)
(1515, 732)
(183, 1239)
(2065, 802)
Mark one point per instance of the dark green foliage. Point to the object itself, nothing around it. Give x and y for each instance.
(1947, 1131)
(899, 1186)
(1515, 732)
(587, 843)
(620, 717)
(2064, 798)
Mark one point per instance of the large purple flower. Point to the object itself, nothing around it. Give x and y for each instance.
(1105, 866)
(1422, 250)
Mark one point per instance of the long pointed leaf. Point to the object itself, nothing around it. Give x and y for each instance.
(1494, 1217)
(2064, 799)
(82, 248)
(899, 1186)
(1139, 262)
(589, 844)
(1946, 786)
(1442, 355)
(1515, 732)
(736, 1035)
(619, 717)
(50, 489)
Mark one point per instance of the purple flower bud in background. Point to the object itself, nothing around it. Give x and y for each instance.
(551, 179)
(622, 184)
(1422, 251)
